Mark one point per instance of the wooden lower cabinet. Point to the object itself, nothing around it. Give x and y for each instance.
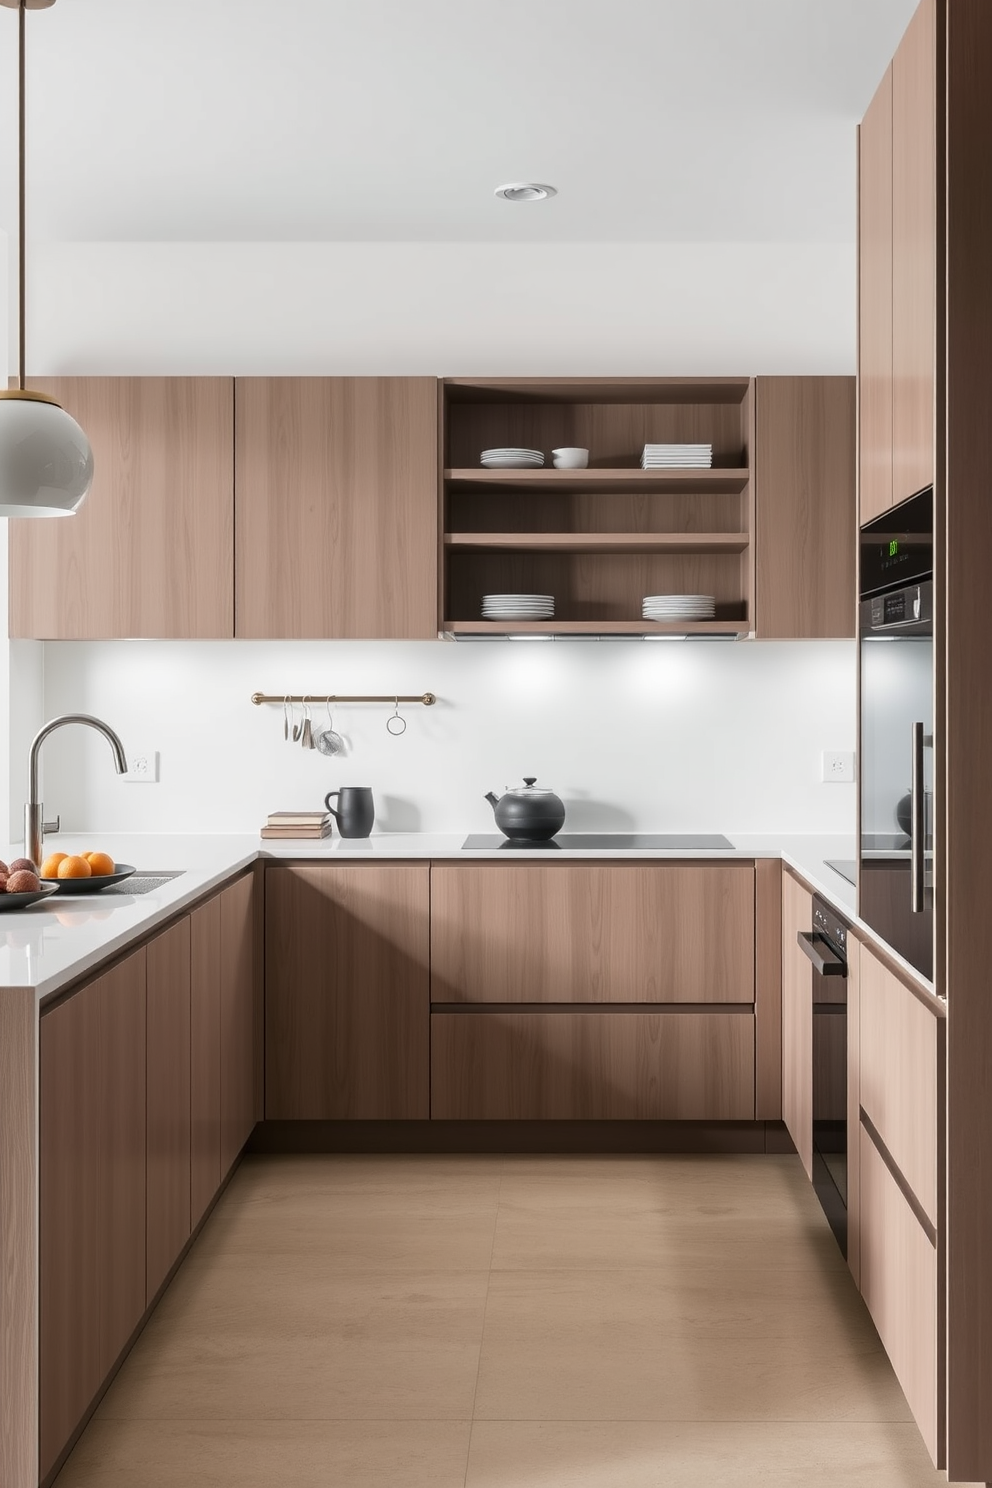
(596, 933)
(167, 1200)
(92, 1192)
(899, 1282)
(797, 1020)
(205, 1103)
(592, 1065)
(237, 1019)
(347, 993)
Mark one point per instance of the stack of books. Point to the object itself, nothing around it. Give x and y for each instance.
(298, 824)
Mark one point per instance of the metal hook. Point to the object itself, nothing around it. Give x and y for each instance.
(396, 718)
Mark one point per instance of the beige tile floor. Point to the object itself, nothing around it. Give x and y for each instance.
(508, 1322)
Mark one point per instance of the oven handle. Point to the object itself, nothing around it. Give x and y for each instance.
(918, 823)
(826, 961)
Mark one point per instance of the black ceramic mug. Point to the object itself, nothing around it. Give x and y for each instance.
(355, 813)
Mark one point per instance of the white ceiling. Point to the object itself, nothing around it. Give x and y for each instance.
(691, 120)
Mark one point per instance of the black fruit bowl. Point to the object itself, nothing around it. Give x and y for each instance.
(94, 884)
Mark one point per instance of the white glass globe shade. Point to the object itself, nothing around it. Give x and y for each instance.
(46, 464)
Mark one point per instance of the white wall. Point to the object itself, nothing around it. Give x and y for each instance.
(710, 736)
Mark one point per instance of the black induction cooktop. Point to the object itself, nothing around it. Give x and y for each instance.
(605, 842)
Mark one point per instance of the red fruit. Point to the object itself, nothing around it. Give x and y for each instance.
(3, 867)
(3, 883)
(23, 882)
(24, 863)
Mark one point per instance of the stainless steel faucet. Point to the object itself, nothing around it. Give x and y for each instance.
(35, 825)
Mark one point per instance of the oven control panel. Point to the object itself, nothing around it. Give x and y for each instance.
(828, 923)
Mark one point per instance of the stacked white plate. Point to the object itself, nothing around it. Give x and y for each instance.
(677, 456)
(679, 607)
(512, 459)
(518, 607)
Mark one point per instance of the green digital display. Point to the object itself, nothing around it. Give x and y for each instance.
(893, 547)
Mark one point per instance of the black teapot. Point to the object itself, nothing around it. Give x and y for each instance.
(528, 814)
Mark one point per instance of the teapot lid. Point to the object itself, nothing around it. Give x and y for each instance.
(529, 788)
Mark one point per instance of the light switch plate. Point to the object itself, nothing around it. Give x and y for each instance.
(837, 766)
(142, 767)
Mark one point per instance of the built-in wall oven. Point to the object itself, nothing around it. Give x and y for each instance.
(826, 947)
(895, 891)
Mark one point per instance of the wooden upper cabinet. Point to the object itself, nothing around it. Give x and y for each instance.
(806, 508)
(914, 250)
(336, 502)
(150, 552)
(875, 303)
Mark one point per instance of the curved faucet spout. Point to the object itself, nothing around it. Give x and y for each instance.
(34, 824)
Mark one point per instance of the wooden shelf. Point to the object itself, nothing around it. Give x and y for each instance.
(600, 542)
(727, 481)
(595, 627)
(566, 390)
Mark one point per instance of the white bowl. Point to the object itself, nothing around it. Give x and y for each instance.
(571, 458)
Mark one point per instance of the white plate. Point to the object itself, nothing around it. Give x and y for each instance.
(514, 463)
(512, 449)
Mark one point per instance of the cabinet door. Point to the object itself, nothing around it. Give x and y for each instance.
(797, 1020)
(168, 1143)
(558, 1066)
(875, 304)
(592, 933)
(237, 1019)
(150, 553)
(336, 498)
(806, 507)
(205, 1100)
(347, 997)
(914, 247)
(92, 1193)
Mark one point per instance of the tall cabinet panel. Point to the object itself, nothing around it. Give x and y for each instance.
(336, 501)
(92, 1192)
(914, 253)
(150, 551)
(875, 304)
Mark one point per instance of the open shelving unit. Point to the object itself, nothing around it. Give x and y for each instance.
(598, 539)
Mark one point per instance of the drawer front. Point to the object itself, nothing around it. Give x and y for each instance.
(899, 1285)
(900, 1038)
(592, 1066)
(586, 933)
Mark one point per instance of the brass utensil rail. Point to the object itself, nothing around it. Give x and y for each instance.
(427, 698)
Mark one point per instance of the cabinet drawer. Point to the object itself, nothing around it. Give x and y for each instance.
(899, 1285)
(592, 1066)
(592, 933)
(900, 1039)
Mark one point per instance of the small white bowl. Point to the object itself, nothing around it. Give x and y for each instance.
(571, 459)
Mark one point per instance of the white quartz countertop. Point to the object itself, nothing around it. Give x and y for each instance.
(56, 941)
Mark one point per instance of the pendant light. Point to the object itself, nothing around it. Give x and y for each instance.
(46, 464)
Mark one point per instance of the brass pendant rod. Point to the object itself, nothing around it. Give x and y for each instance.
(21, 172)
(427, 698)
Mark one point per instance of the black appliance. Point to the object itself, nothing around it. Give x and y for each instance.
(895, 892)
(826, 948)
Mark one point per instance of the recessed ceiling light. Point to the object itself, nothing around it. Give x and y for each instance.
(521, 191)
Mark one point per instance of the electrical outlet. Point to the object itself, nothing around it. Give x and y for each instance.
(837, 766)
(142, 767)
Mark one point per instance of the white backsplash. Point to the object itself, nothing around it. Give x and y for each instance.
(706, 736)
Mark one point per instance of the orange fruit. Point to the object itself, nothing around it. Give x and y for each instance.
(101, 863)
(50, 867)
(74, 867)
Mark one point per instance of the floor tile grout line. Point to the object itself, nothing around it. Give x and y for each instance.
(482, 1335)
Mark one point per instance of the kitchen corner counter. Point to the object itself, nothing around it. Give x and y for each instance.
(52, 944)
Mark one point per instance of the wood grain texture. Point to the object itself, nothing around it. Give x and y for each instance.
(968, 742)
(150, 551)
(875, 304)
(19, 1237)
(899, 1044)
(237, 1019)
(336, 501)
(797, 1020)
(205, 1102)
(92, 1192)
(637, 507)
(899, 1285)
(258, 977)
(854, 1107)
(806, 506)
(594, 933)
(347, 992)
(914, 247)
(167, 1202)
(592, 1066)
(768, 989)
